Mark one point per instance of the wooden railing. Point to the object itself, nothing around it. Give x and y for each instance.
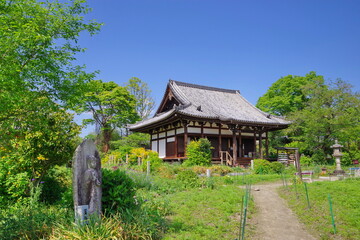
(225, 156)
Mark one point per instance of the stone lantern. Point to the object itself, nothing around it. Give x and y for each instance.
(337, 155)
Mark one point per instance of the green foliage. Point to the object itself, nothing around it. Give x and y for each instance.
(37, 51)
(262, 166)
(198, 153)
(37, 75)
(118, 191)
(331, 112)
(348, 157)
(134, 140)
(277, 167)
(111, 105)
(321, 112)
(286, 95)
(155, 161)
(188, 178)
(318, 157)
(56, 184)
(305, 160)
(43, 137)
(113, 227)
(31, 219)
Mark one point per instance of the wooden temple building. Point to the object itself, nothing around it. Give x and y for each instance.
(237, 130)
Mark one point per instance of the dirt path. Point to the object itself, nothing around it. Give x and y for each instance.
(274, 220)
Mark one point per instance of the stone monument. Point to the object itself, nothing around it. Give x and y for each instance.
(86, 181)
(337, 155)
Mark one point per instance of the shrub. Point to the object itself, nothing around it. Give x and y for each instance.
(319, 157)
(166, 171)
(220, 169)
(31, 219)
(198, 153)
(113, 157)
(55, 184)
(305, 161)
(262, 166)
(188, 178)
(109, 228)
(155, 161)
(277, 167)
(136, 153)
(117, 191)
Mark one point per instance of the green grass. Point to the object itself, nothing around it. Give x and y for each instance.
(346, 206)
(205, 213)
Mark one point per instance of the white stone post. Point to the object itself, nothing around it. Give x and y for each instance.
(148, 168)
(208, 172)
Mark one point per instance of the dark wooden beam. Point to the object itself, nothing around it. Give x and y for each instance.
(260, 145)
(234, 146)
(240, 144)
(267, 144)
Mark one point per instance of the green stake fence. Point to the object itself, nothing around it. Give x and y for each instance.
(332, 214)
(244, 209)
(295, 186)
(307, 195)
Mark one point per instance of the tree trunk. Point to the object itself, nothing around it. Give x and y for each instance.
(106, 139)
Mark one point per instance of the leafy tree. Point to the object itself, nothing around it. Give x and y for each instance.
(286, 95)
(30, 147)
(112, 107)
(332, 112)
(37, 47)
(321, 112)
(38, 44)
(134, 140)
(142, 93)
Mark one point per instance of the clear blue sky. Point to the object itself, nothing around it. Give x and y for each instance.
(234, 44)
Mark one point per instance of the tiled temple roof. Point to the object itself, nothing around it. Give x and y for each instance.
(214, 104)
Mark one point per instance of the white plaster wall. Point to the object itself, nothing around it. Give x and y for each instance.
(171, 133)
(211, 131)
(226, 132)
(161, 135)
(154, 136)
(171, 139)
(179, 130)
(194, 130)
(154, 146)
(162, 148)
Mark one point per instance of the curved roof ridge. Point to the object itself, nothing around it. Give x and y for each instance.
(203, 87)
(179, 93)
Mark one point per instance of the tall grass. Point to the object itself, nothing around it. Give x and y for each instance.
(346, 206)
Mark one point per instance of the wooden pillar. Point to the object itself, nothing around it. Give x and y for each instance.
(220, 140)
(254, 143)
(158, 141)
(240, 144)
(166, 141)
(234, 145)
(260, 145)
(267, 144)
(151, 132)
(202, 129)
(176, 142)
(185, 135)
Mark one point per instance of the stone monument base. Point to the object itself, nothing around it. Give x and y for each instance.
(339, 172)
